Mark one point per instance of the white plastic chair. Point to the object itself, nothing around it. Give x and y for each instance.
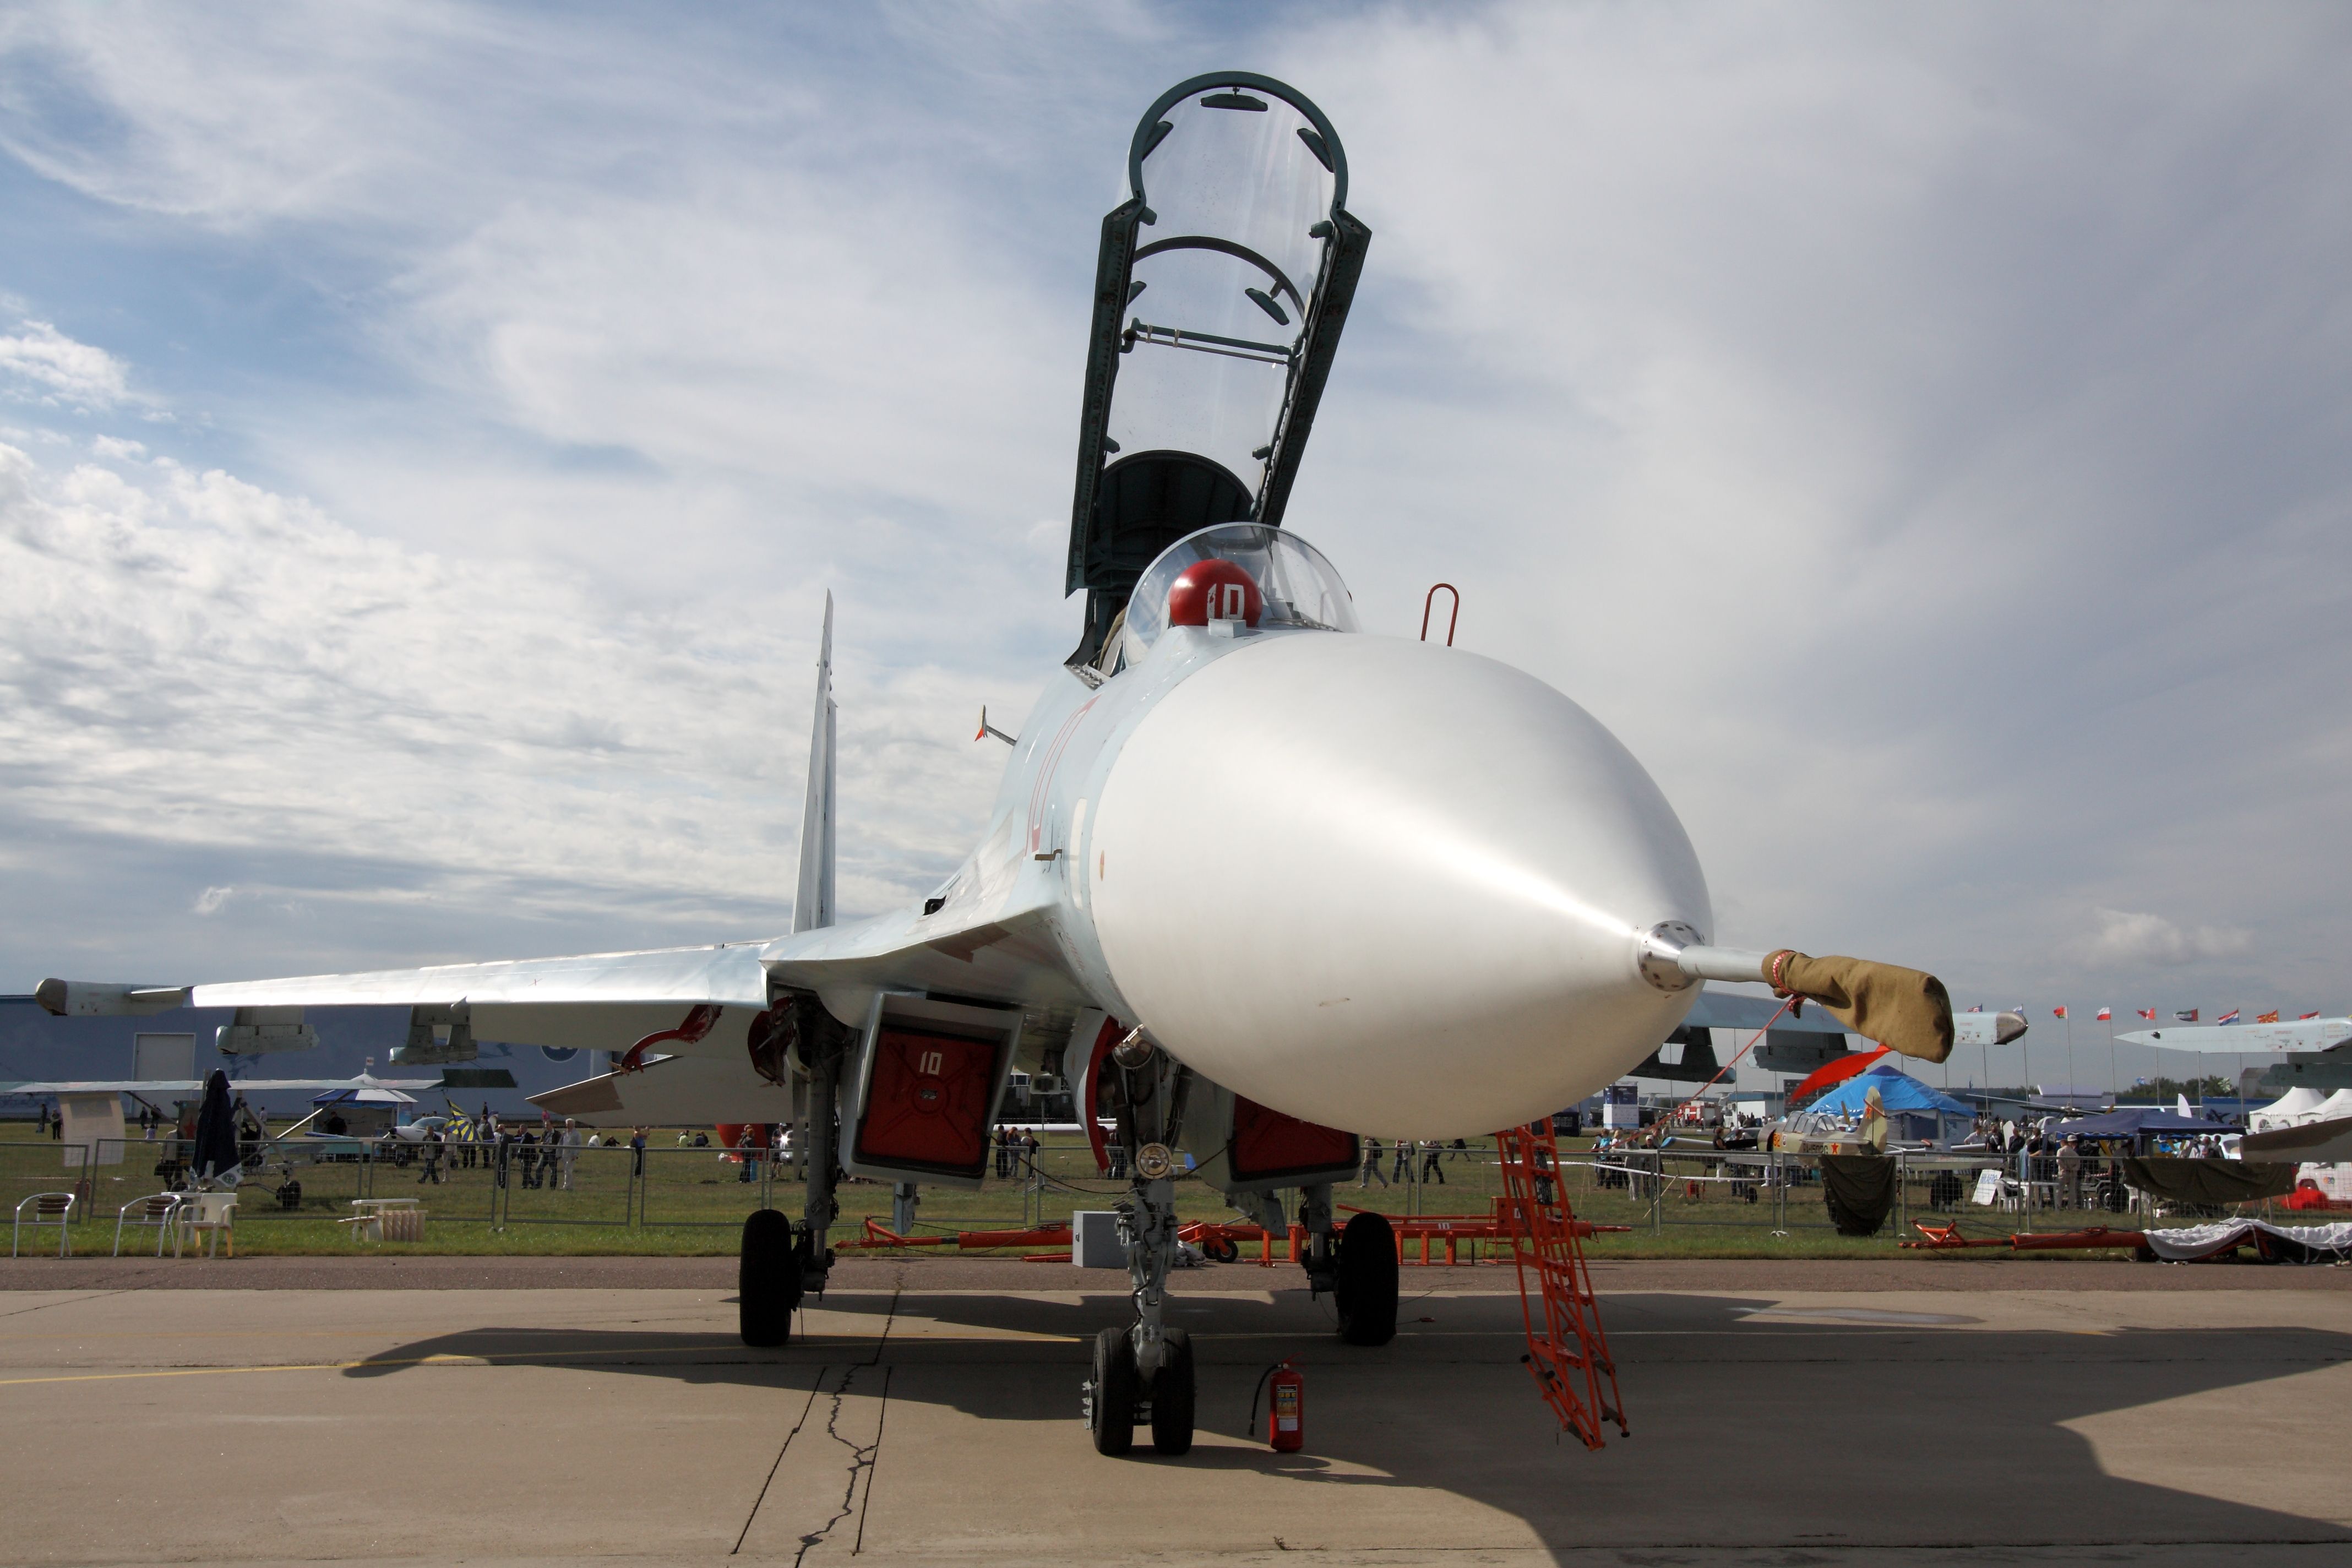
(48, 1208)
(156, 1212)
(212, 1214)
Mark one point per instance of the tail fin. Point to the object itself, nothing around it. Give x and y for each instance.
(813, 904)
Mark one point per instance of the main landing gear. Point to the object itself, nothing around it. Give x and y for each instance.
(1143, 1375)
(781, 1265)
(1358, 1266)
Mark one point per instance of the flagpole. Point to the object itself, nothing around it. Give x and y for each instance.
(2114, 1080)
(2069, 1022)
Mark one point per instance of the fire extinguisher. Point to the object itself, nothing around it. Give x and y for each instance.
(1286, 1410)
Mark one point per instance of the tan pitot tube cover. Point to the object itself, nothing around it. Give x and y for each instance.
(1903, 1009)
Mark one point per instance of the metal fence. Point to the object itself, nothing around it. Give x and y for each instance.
(501, 1185)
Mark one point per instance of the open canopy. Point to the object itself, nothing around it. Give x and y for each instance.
(1219, 291)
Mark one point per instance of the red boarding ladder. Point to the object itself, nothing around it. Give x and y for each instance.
(1567, 1352)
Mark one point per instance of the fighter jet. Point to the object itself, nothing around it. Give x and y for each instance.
(1253, 877)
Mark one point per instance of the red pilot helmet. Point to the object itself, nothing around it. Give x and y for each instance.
(1214, 590)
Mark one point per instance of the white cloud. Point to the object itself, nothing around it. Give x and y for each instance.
(193, 661)
(2127, 938)
(62, 371)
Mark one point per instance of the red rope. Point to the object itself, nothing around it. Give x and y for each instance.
(1676, 1114)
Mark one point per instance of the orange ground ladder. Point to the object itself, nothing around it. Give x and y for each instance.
(1566, 1353)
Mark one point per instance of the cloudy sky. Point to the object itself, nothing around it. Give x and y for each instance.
(429, 432)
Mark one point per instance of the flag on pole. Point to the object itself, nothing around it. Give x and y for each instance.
(2266, 1017)
(2229, 1018)
(2148, 1012)
(2184, 1015)
(2057, 1012)
(2105, 1014)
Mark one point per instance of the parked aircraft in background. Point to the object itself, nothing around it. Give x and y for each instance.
(1252, 877)
(2319, 1051)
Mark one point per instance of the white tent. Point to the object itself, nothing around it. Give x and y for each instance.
(2290, 1109)
(2335, 1105)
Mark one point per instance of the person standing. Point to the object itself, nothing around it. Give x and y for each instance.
(1029, 1152)
(571, 1150)
(747, 1160)
(1433, 1167)
(433, 1152)
(1371, 1164)
(637, 1151)
(1403, 1166)
(2070, 1172)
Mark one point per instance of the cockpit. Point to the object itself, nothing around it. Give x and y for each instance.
(1295, 586)
(1223, 283)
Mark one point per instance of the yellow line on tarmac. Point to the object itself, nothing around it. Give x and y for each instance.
(494, 1358)
(441, 1358)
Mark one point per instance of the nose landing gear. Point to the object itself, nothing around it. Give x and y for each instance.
(1143, 1373)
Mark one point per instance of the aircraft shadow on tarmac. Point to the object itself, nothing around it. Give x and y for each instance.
(1918, 1428)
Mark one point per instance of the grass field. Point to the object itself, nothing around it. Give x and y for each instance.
(690, 1201)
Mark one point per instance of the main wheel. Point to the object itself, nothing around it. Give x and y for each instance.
(1172, 1398)
(1367, 1293)
(768, 1286)
(1112, 1415)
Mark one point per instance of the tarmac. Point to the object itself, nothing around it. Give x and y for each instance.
(462, 1410)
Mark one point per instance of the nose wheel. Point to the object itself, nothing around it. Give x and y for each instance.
(1366, 1292)
(1119, 1399)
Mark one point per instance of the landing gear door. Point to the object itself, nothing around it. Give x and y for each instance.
(1240, 1146)
(929, 1077)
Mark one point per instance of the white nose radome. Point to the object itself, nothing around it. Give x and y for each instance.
(1391, 888)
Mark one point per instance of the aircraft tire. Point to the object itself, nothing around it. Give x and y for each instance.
(1367, 1293)
(1172, 1398)
(1114, 1390)
(767, 1286)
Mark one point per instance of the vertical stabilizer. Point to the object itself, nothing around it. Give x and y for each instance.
(812, 903)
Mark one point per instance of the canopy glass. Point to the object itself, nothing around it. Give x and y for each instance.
(1225, 264)
(1302, 589)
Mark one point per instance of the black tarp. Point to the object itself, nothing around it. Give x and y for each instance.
(2209, 1181)
(1859, 1191)
(215, 1151)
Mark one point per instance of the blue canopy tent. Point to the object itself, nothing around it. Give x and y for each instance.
(1915, 1112)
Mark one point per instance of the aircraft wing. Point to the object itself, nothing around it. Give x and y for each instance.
(2304, 1035)
(727, 973)
(1717, 1009)
(1739, 1010)
(196, 1086)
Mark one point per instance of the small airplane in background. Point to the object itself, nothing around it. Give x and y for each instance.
(1252, 877)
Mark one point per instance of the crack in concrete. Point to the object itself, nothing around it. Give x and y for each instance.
(806, 1406)
(69, 1301)
(862, 1457)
